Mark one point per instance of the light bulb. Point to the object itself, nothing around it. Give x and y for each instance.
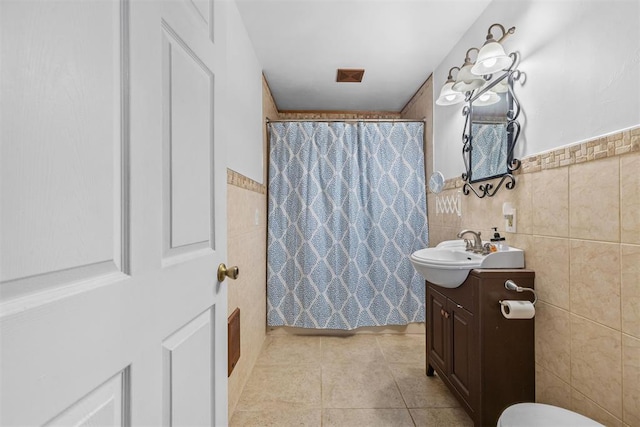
(489, 62)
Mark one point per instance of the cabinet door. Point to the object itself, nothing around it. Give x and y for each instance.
(462, 356)
(437, 335)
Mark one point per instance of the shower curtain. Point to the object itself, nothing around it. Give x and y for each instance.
(347, 206)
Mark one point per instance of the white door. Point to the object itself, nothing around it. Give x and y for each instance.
(112, 213)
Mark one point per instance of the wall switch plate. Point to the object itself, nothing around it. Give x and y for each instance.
(510, 221)
(509, 214)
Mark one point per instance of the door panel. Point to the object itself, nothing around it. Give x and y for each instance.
(61, 103)
(105, 406)
(203, 9)
(437, 331)
(109, 243)
(461, 344)
(188, 358)
(188, 136)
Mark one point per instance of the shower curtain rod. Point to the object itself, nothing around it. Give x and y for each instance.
(268, 120)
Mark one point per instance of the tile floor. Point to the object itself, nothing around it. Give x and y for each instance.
(358, 380)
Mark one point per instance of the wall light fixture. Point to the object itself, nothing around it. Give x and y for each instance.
(448, 96)
(472, 76)
(467, 81)
(492, 57)
(487, 98)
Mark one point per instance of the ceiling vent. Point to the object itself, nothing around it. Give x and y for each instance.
(349, 75)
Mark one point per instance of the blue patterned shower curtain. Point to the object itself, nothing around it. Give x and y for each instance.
(347, 206)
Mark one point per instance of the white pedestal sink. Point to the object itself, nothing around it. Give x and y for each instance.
(449, 264)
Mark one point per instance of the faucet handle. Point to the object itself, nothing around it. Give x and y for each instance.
(468, 245)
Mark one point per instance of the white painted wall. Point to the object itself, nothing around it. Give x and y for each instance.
(582, 64)
(244, 95)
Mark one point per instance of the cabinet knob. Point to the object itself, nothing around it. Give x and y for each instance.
(446, 315)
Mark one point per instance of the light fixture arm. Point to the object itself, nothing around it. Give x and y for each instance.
(467, 59)
(505, 33)
(450, 76)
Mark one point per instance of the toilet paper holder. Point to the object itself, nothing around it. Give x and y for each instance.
(512, 286)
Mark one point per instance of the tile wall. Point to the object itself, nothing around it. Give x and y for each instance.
(246, 247)
(420, 107)
(579, 226)
(578, 220)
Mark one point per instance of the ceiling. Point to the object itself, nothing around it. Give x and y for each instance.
(301, 44)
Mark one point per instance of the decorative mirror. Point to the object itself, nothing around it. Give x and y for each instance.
(491, 130)
(436, 182)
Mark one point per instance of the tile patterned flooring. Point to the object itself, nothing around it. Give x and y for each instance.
(357, 380)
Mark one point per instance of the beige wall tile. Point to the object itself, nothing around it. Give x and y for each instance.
(421, 107)
(269, 111)
(631, 380)
(550, 202)
(474, 212)
(483, 214)
(439, 234)
(553, 340)
(524, 242)
(596, 363)
(246, 248)
(434, 218)
(583, 405)
(630, 289)
(552, 390)
(520, 198)
(234, 208)
(595, 281)
(242, 205)
(594, 200)
(630, 198)
(549, 258)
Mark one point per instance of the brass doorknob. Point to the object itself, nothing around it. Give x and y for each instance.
(231, 272)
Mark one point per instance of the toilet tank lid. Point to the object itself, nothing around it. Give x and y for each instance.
(540, 414)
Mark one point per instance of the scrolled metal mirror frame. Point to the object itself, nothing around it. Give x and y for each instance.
(512, 74)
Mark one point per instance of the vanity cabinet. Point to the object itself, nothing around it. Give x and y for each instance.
(486, 360)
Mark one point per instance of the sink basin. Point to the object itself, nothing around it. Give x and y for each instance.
(449, 264)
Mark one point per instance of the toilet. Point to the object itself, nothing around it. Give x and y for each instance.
(540, 414)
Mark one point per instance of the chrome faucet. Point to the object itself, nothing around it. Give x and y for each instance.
(477, 241)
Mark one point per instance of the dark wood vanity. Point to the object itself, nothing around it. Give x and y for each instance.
(486, 360)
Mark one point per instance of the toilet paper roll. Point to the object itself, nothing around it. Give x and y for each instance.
(517, 309)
